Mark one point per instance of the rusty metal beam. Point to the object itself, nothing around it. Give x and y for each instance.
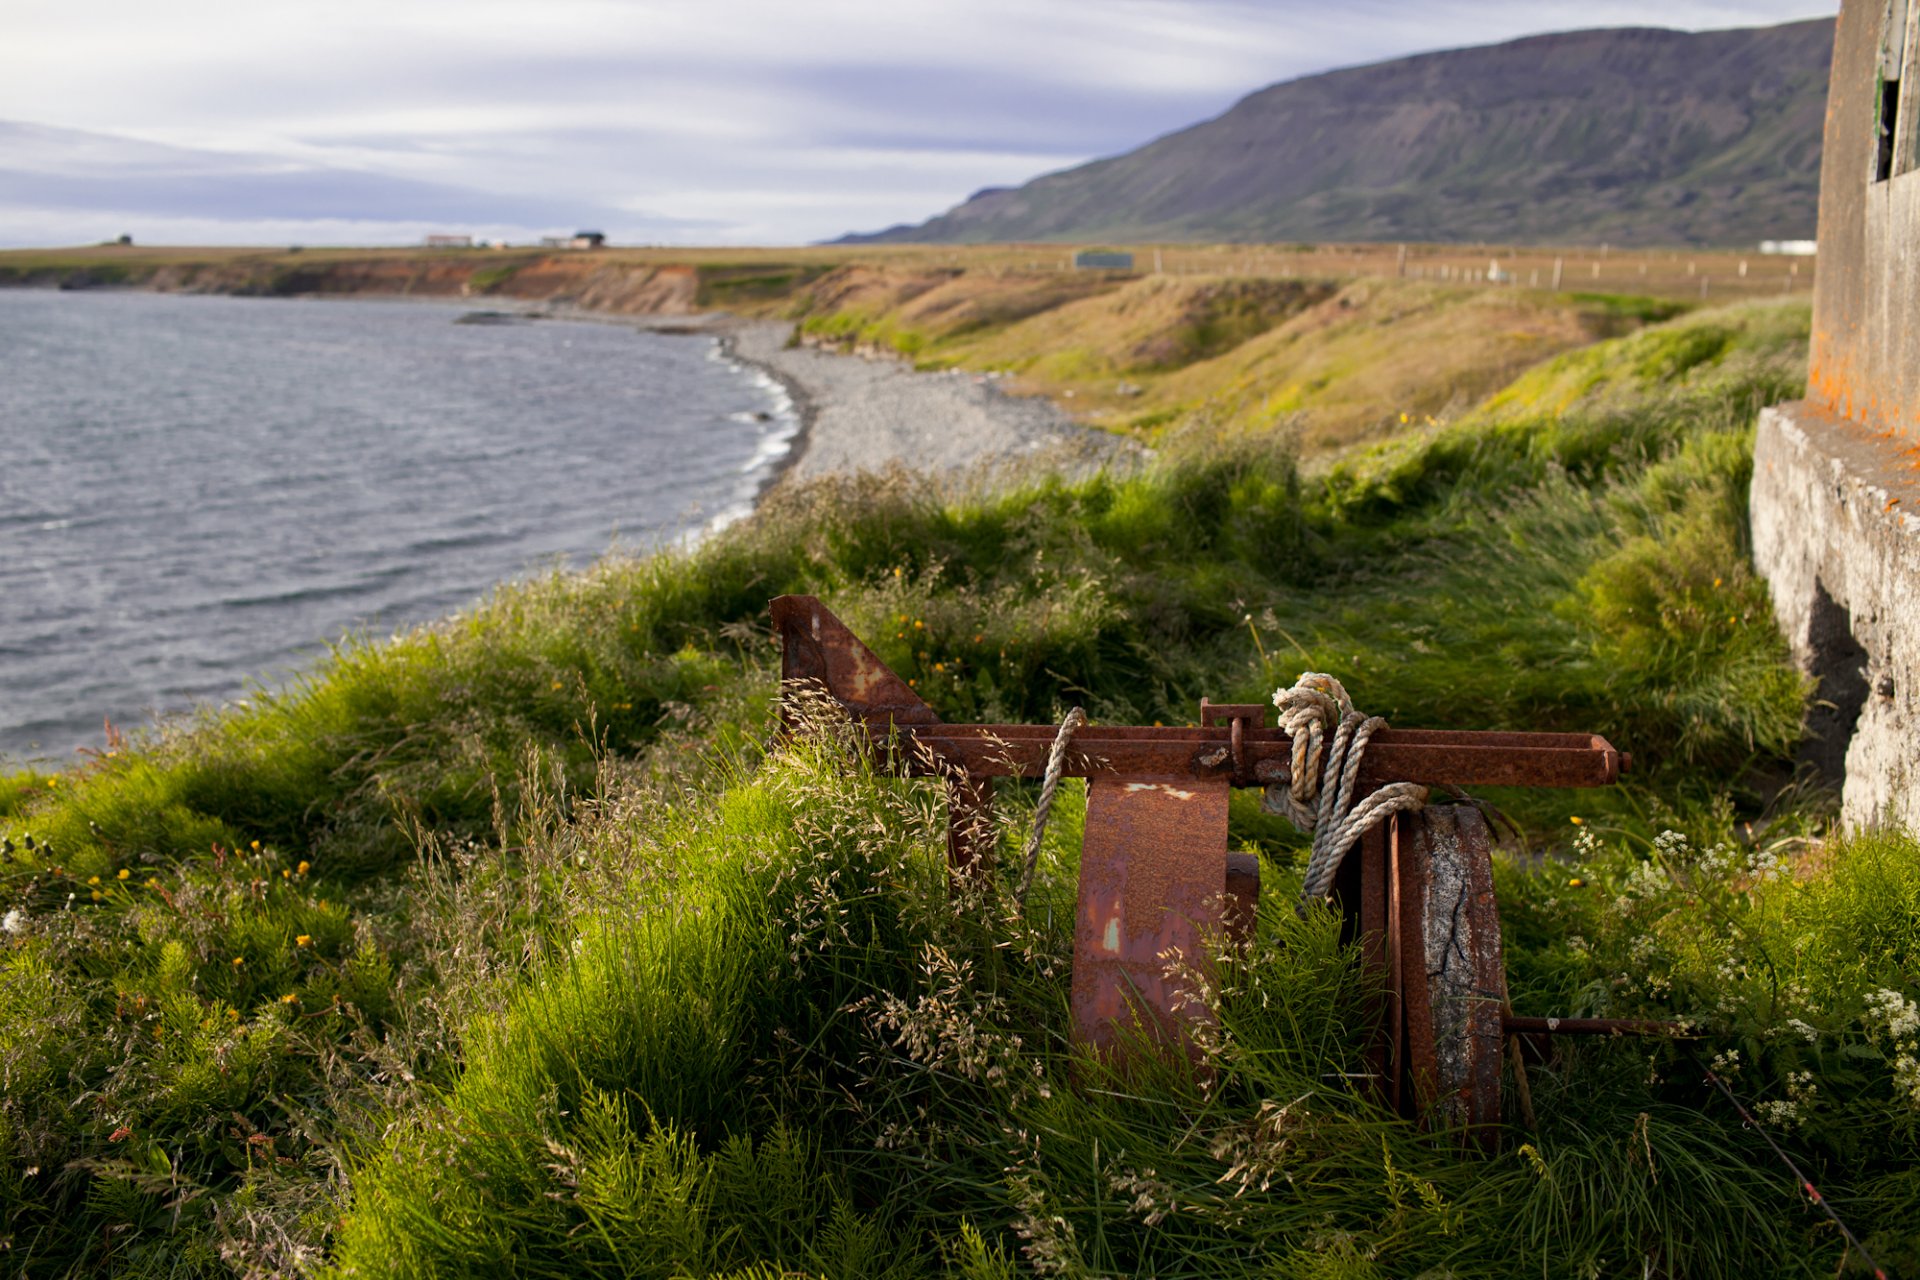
(818, 649)
(1430, 757)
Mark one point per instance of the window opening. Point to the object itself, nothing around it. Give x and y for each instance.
(1886, 103)
(1883, 132)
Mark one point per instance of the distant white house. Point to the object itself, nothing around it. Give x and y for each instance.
(1793, 248)
(578, 240)
(449, 242)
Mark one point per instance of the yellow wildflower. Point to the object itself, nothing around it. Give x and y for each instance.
(124, 873)
(302, 868)
(238, 961)
(93, 879)
(304, 940)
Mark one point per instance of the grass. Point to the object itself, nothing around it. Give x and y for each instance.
(507, 947)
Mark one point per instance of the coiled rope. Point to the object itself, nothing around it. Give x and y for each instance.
(1329, 741)
(1056, 765)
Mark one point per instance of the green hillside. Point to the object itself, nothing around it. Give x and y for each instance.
(1624, 136)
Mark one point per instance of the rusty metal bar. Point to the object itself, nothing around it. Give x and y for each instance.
(972, 836)
(1423, 756)
(1518, 1026)
(818, 650)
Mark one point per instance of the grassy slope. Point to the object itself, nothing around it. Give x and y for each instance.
(1341, 362)
(538, 964)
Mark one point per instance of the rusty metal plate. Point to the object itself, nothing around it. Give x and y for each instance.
(1153, 870)
(1451, 967)
(816, 647)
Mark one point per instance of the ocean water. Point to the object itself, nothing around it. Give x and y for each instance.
(199, 492)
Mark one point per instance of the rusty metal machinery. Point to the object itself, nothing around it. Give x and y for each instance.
(1156, 876)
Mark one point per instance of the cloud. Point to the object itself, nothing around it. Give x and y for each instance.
(730, 120)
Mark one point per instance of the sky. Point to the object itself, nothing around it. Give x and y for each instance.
(656, 122)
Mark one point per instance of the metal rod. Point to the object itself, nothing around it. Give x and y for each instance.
(1591, 1027)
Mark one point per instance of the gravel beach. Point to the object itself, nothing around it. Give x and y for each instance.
(867, 414)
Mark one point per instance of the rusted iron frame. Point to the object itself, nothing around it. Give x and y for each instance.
(1232, 745)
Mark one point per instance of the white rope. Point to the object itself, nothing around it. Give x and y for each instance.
(1329, 741)
(1056, 765)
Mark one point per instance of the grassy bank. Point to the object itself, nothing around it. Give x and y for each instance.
(506, 947)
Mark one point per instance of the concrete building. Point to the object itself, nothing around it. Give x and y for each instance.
(449, 242)
(1836, 481)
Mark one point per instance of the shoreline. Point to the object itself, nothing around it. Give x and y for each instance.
(853, 412)
(862, 413)
(805, 410)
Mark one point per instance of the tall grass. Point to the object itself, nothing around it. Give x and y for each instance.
(501, 948)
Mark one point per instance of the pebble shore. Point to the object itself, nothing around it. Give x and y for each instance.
(872, 413)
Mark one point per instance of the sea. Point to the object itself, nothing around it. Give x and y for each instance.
(199, 494)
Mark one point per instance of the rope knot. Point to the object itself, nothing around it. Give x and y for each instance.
(1329, 740)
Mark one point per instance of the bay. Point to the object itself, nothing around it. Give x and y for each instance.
(196, 492)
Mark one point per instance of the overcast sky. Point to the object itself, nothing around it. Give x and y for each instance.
(709, 121)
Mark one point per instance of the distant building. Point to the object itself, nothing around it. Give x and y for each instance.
(1836, 490)
(1793, 248)
(578, 240)
(1102, 260)
(449, 242)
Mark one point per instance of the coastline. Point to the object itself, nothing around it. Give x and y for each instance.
(862, 413)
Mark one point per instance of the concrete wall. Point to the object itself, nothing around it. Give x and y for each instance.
(1866, 317)
(1836, 483)
(1836, 532)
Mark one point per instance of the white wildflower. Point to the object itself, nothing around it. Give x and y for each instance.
(1898, 1019)
(1899, 1014)
(1670, 844)
(1809, 1034)
(15, 921)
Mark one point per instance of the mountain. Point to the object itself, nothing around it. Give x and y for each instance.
(1634, 136)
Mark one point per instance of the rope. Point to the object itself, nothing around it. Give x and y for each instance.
(1329, 741)
(1056, 764)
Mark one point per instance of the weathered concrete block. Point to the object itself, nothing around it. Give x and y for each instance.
(1836, 533)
